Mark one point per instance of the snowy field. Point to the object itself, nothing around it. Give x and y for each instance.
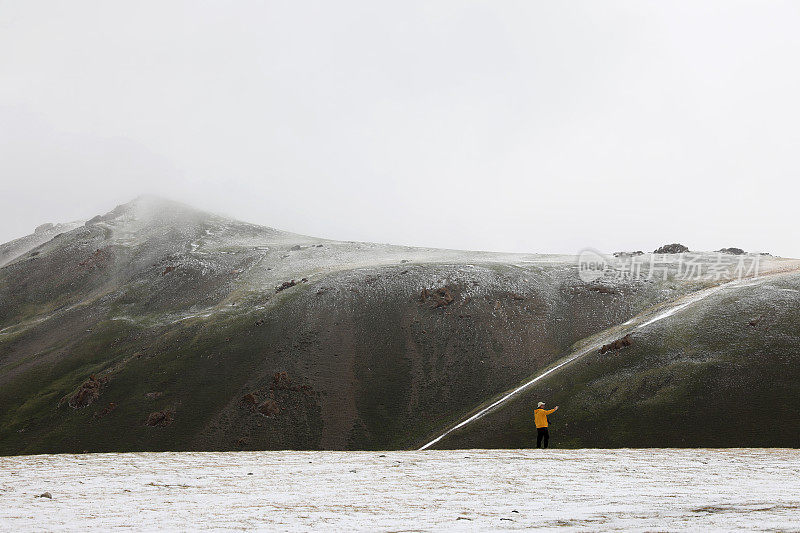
(391, 491)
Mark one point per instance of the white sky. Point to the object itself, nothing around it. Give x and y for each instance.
(514, 126)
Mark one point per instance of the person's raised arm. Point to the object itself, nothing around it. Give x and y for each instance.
(551, 411)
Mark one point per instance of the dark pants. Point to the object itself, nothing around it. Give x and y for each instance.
(542, 434)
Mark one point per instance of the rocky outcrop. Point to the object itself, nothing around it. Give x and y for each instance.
(161, 418)
(88, 392)
(441, 297)
(287, 284)
(107, 410)
(732, 251)
(616, 345)
(101, 258)
(269, 408)
(673, 248)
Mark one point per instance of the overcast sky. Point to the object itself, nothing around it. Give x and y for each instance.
(512, 126)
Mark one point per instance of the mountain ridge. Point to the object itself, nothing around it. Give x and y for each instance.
(157, 326)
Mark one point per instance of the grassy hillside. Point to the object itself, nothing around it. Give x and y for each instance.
(722, 372)
(160, 327)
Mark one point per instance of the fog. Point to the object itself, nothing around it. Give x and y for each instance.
(510, 126)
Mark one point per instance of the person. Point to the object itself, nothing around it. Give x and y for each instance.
(540, 417)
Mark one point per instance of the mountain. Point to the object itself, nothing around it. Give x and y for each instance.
(18, 247)
(157, 326)
(723, 372)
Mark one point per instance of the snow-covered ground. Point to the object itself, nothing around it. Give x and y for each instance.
(753, 489)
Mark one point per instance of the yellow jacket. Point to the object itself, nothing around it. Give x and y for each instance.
(540, 417)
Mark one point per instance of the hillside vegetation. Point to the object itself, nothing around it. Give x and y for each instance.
(160, 327)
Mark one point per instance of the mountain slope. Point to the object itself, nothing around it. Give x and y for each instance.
(720, 372)
(161, 327)
(19, 247)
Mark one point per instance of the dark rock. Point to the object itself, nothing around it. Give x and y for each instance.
(441, 297)
(45, 495)
(285, 285)
(88, 392)
(628, 254)
(99, 259)
(603, 289)
(249, 399)
(269, 408)
(105, 410)
(291, 283)
(281, 381)
(732, 251)
(617, 344)
(160, 418)
(673, 248)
